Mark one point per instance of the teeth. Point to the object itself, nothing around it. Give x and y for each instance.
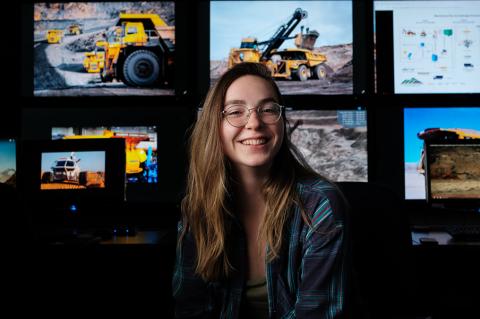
(254, 142)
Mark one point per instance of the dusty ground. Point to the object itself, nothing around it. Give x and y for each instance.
(454, 188)
(335, 152)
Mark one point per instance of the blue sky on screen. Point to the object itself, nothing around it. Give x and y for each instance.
(231, 21)
(90, 161)
(7, 155)
(418, 119)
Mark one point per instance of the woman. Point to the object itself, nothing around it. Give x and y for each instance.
(262, 235)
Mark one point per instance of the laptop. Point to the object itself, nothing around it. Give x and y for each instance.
(452, 172)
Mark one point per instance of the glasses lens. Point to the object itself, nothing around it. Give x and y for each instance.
(236, 115)
(270, 113)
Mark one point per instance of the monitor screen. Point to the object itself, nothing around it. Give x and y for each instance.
(435, 44)
(433, 123)
(8, 162)
(334, 142)
(140, 147)
(453, 170)
(103, 48)
(307, 45)
(72, 170)
(84, 172)
(155, 138)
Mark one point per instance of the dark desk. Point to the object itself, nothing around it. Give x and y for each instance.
(446, 275)
(115, 277)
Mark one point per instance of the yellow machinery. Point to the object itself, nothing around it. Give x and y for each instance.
(54, 36)
(299, 63)
(140, 52)
(94, 61)
(74, 29)
(135, 156)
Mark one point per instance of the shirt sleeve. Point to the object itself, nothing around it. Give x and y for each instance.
(191, 293)
(323, 268)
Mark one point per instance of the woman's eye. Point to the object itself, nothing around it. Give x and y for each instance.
(235, 112)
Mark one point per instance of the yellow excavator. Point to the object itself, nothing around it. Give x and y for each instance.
(299, 63)
(140, 51)
(94, 61)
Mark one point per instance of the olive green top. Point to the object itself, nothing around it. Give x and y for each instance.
(255, 305)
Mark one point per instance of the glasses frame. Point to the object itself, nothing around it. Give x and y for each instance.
(249, 110)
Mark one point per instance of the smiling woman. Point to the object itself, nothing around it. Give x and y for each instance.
(262, 235)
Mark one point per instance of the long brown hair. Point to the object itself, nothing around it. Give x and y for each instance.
(206, 206)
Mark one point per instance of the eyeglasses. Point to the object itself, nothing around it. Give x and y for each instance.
(237, 115)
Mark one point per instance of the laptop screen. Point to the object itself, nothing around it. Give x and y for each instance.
(453, 171)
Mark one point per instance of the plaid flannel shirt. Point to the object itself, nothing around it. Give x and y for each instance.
(307, 280)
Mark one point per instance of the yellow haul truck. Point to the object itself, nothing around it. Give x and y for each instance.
(300, 63)
(75, 29)
(54, 36)
(142, 54)
(94, 61)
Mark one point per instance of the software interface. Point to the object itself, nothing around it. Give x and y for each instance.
(454, 171)
(8, 164)
(334, 142)
(140, 147)
(421, 124)
(308, 45)
(436, 45)
(103, 48)
(72, 170)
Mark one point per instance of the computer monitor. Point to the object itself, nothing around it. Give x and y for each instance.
(140, 147)
(64, 176)
(427, 47)
(157, 136)
(308, 45)
(8, 162)
(103, 48)
(422, 124)
(452, 169)
(334, 142)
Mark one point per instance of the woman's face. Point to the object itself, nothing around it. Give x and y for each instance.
(256, 144)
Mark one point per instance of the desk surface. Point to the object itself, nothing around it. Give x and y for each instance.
(145, 237)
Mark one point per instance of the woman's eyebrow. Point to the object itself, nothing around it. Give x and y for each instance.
(235, 102)
(262, 101)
